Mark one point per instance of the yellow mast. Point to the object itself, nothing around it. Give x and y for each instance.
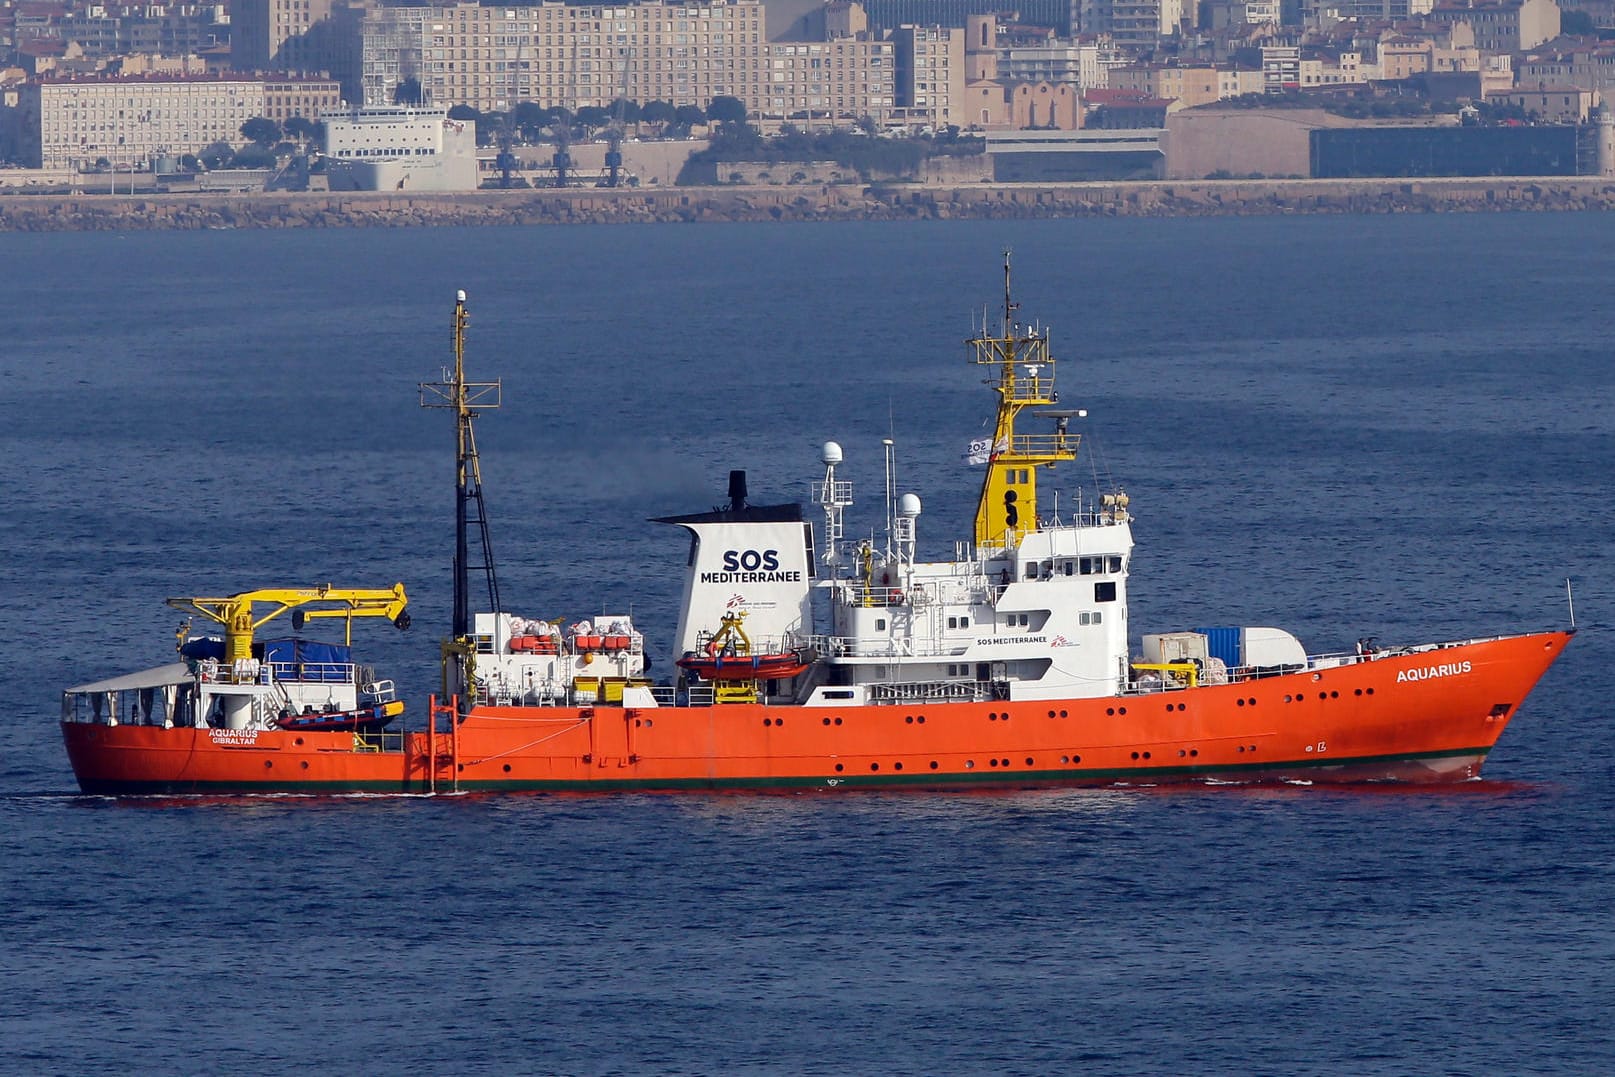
(1025, 378)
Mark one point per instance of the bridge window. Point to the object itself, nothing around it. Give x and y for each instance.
(1105, 591)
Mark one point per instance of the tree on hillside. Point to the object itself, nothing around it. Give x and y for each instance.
(301, 129)
(660, 113)
(465, 112)
(690, 116)
(727, 110)
(261, 131)
(593, 117)
(628, 110)
(529, 119)
(254, 156)
(217, 155)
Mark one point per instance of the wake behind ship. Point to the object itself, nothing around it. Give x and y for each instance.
(1010, 664)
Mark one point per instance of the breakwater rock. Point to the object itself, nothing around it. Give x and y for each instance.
(124, 213)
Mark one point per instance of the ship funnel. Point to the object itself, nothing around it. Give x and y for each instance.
(751, 559)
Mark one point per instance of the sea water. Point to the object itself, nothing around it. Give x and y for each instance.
(1384, 426)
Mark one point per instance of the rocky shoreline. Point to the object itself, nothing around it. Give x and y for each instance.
(128, 213)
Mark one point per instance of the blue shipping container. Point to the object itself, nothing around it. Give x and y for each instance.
(1223, 643)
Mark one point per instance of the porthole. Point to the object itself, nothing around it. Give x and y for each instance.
(1357, 691)
(768, 721)
(1239, 702)
(1121, 710)
(970, 764)
(838, 768)
(992, 762)
(269, 764)
(507, 768)
(827, 721)
(1076, 759)
(933, 764)
(1194, 753)
(920, 719)
(1003, 762)
(1065, 759)
(1051, 714)
(1181, 753)
(1029, 761)
(1252, 702)
(299, 740)
(838, 721)
(874, 766)
(908, 719)
(1135, 755)
(1146, 755)
(897, 766)
(1370, 691)
(1062, 714)
(1110, 710)
(304, 765)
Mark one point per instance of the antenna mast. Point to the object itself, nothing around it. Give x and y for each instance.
(468, 400)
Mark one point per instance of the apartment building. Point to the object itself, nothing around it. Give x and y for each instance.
(127, 122)
(1132, 24)
(308, 98)
(1189, 86)
(103, 30)
(275, 35)
(552, 54)
(930, 68)
(1502, 25)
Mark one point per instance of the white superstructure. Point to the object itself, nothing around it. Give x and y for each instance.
(383, 148)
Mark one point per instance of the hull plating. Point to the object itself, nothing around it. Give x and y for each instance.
(1429, 717)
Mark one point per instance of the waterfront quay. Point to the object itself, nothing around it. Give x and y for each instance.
(194, 210)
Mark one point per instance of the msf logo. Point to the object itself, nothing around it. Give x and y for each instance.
(735, 602)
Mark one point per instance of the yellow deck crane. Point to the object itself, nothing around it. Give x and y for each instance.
(240, 617)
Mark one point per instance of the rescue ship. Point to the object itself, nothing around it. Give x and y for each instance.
(1010, 664)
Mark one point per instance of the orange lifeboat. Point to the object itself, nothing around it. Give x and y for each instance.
(745, 667)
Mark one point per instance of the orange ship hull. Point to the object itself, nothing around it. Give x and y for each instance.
(1426, 716)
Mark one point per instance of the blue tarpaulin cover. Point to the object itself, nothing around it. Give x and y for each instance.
(308, 660)
(204, 647)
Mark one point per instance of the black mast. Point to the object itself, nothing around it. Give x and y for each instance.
(468, 399)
